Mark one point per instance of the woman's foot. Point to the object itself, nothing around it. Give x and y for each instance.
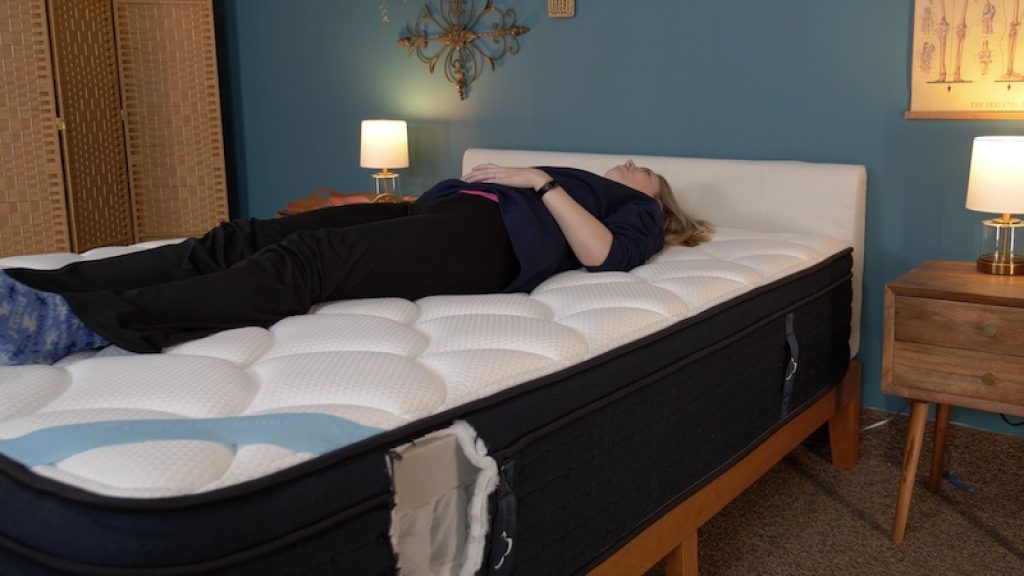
(39, 327)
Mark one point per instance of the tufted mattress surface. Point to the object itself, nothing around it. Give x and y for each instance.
(379, 363)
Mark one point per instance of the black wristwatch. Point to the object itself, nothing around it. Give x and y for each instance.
(551, 185)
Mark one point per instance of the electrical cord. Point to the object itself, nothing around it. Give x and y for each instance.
(881, 423)
(1007, 420)
(951, 476)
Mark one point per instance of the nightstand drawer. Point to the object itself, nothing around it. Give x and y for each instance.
(963, 373)
(964, 325)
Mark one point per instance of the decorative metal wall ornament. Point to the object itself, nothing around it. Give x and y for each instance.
(463, 47)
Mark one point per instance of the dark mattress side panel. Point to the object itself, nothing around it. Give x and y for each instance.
(337, 518)
(597, 476)
(356, 546)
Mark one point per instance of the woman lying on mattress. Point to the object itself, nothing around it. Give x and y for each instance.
(498, 229)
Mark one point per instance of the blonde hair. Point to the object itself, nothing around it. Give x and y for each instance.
(681, 229)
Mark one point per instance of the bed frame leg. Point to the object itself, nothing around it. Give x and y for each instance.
(844, 425)
(682, 560)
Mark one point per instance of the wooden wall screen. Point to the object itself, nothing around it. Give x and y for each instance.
(32, 208)
(89, 101)
(172, 103)
(110, 128)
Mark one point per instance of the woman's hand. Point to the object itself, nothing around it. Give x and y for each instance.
(513, 176)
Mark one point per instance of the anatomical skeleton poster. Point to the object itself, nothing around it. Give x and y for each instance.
(968, 59)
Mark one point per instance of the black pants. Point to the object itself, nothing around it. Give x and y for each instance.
(256, 272)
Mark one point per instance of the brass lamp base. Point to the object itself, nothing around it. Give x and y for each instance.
(1001, 250)
(1001, 265)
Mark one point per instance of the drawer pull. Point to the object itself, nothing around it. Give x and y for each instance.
(988, 379)
(989, 331)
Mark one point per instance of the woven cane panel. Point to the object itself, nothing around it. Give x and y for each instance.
(89, 99)
(32, 214)
(172, 100)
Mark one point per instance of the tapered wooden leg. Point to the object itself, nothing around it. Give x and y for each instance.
(939, 447)
(674, 562)
(844, 425)
(682, 561)
(911, 456)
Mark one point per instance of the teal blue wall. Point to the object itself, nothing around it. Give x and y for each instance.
(818, 80)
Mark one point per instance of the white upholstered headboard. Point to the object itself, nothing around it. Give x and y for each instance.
(761, 195)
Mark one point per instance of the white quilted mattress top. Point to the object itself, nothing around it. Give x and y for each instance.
(379, 363)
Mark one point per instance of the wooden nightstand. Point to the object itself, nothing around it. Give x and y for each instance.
(326, 197)
(953, 336)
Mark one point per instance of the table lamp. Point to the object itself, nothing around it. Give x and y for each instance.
(996, 185)
(384, 144)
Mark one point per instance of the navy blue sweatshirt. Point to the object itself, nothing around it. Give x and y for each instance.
(633, 218)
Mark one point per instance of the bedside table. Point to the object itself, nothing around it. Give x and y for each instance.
(326, 197)
(953, 336)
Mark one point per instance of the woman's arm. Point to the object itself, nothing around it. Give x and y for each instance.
(588, 237)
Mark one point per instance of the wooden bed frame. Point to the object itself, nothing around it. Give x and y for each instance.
(673, 537)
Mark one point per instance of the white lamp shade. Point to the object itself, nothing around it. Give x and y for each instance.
(996, 182)
(384, 144)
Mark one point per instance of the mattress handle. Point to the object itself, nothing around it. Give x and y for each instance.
(501, 562)
(794, 355)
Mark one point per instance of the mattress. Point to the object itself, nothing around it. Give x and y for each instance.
(526, 371)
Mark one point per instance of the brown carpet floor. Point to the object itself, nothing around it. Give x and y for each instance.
(806, 517)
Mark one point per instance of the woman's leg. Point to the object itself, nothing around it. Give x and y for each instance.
(224, 246)
(37, 323)
(457, 245)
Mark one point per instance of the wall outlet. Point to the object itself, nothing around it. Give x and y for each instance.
(561, 8)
